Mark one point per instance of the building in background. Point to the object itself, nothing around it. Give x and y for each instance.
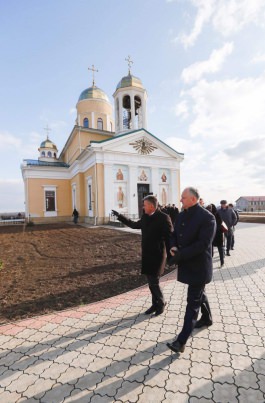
(251, 203)
(102, 167)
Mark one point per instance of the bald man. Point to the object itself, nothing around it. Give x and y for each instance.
(192, 250)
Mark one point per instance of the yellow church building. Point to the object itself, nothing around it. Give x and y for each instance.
(104, 164)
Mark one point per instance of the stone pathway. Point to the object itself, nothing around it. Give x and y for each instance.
(110, 352)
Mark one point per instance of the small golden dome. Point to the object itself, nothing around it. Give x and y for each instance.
(130, 81)
(48, 144)
(93, 93)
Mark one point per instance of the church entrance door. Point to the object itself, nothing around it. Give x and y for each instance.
(142, 190)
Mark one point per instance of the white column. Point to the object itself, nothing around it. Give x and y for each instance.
(132, 191)
(132, 111)
(120, 129)
(155, 183)
(108, 122)
(108, 188)
(144, 117)
(93, 120)
(175, 186)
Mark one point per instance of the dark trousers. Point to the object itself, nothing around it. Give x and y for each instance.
(228, 237)
(158, 300)
(196, 299)
(221, 253)
(233, 239)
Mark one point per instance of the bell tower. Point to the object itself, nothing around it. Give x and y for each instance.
(130, 103)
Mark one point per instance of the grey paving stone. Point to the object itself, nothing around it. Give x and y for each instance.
(57, 394)
(129, 392)
(224, 393)
(201, 388)
(120, 355)
(250, 395)
(38, 389)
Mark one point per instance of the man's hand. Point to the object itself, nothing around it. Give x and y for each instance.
(115, 213)
(173, 250)
(174, 259)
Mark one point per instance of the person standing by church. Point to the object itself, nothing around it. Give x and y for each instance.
(156, 228)
(192, 251)
(75, 215)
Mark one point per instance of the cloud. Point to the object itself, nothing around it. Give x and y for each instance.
(224, 141)
(182, 110)
(259, 58)
(204, 13)
(231, 16)
(210, 66)
(255, 147)
(229, 109)
(23, 149)
(227, 17)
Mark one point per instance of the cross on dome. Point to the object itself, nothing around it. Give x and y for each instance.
(93, 70)
(47, 129)
(130, 62)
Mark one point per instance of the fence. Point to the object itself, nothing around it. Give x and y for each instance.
(13, 221)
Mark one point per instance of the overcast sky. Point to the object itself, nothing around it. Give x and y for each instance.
(202, 63)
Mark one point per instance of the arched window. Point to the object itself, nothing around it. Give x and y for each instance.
(86, 122)
(49, 154)
(100, 124)
(126, 112)
(54, 154)
(43, 153)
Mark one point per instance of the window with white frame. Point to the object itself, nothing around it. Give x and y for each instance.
(50, 201)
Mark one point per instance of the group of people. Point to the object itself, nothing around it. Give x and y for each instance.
(171, 210)
(190, 247)
(226, 219)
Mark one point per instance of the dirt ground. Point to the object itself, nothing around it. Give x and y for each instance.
(57, 266)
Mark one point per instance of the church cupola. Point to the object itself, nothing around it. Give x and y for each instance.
(48, 150)
(94, 110)
(130, 103)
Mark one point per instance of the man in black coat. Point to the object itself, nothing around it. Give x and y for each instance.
(229, 217)
(192, 250)
(156, 229)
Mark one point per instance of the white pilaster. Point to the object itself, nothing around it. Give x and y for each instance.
(132, 111)
(108, 188)
(155, 182)
(175, 187)
(108, 122)
(120, 128)
(132, 187)
(93, 120)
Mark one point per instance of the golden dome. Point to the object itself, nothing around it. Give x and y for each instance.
(130, 81)
(93, 93)
(48, 144)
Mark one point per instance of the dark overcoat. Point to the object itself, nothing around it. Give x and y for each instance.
(219, 236)
(156, 230)
(193, 235)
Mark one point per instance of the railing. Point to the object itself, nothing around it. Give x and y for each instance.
(13, 221)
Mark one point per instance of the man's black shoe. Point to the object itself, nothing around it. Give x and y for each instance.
(201, 323)
(176, 346)
(228, 254)
(152, 309)
(160, 310)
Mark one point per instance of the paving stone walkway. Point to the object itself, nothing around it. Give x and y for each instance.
(110, 352)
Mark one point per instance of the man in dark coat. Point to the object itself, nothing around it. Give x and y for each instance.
(156, 229)
(229, 217)
(192, 251)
